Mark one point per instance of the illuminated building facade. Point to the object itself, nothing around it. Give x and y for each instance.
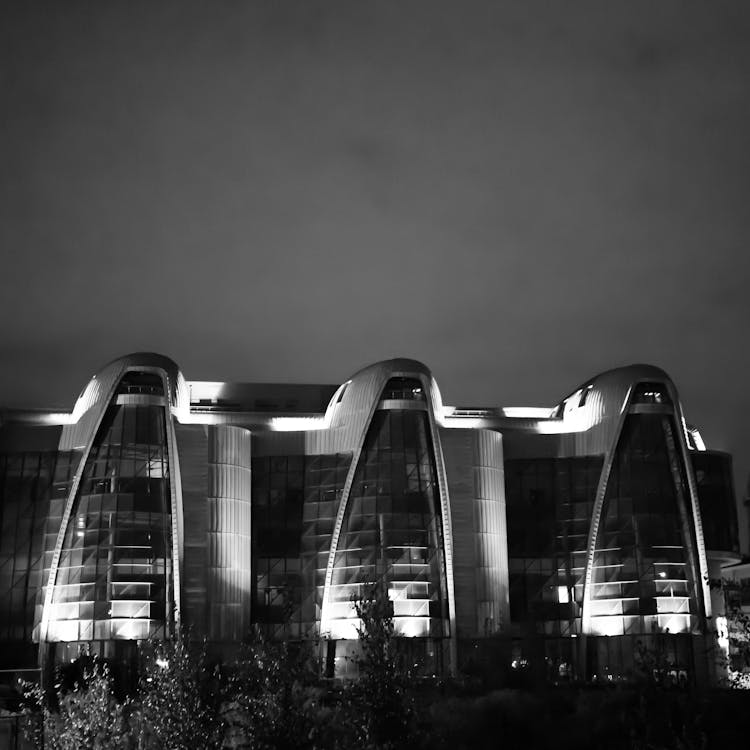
(559, 541)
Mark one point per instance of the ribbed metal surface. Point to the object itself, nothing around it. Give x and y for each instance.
(605, 402)
(491, 539)
(192, 448)
(175, 495)
(458, 450)
(229, 537)
(89, 409)
(98, 393)
(354, 412)
(433, 394)
(473, 462)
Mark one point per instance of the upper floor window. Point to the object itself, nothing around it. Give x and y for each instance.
(651, 393)
(141, 382)
(403, 389)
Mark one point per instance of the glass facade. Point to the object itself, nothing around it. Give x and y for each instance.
(392, 531)
(27, 483)
(713, 476)
(295, 501)
(549, 507)
(114, 576)
(643, 583)
(644, 572)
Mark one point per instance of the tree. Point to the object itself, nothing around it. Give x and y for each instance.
(85, 717)
(381, 695)
(737, 635)
(271, 699)
(178, 700)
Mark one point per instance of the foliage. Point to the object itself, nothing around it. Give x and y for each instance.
(735, 633)
(271, 697)
(654, 666)
(178, 700)
(85, 716)
(173, 708)
(738, 634)
(382, 704)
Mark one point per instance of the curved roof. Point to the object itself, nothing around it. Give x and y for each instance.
(395, 365)
(622, 378)
(100, 390)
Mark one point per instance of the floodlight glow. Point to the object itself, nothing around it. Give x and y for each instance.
(343, 629)
(412, 627)
(298, 424)
(57, 418)
(608, 625)
(575, 422)
(722, 634)
(446, 418)
(675, 623)
(87, 399)
(527, 412)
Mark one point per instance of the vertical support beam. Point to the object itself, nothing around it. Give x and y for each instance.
(447, 524)
(175, 497)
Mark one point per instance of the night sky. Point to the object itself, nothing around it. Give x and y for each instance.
(519, 194)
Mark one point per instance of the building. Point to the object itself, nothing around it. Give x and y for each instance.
(555, 541)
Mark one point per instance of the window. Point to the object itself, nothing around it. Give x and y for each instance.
(141, 382)
(651, 393)
(403, 389)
